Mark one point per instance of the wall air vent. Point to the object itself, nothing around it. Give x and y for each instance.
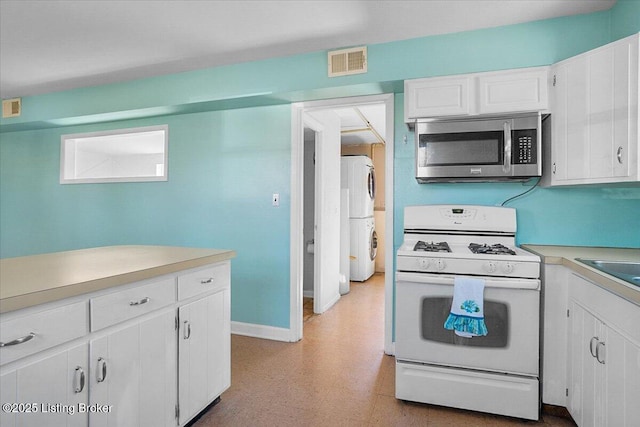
(11, 107)
(348, 61)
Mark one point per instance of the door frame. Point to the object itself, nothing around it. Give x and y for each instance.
(297, 200)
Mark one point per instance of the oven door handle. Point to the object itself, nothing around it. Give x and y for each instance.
(506, 165)
(446, 279)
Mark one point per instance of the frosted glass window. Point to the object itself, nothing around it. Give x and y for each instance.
(124, 155)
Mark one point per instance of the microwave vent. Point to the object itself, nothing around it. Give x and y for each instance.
(11, 107)
(347, 61)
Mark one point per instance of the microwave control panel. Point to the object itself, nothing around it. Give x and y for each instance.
(524, 147)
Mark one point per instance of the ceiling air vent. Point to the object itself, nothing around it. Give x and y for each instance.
(11, 107)
(348, 61)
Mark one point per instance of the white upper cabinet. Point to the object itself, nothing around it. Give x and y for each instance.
(438, 96)
(513, 91)
(499, 92)
(594, 106)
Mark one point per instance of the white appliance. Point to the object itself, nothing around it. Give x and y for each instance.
(364, 247)
(358, 176)
(497, 373)
(484, 149)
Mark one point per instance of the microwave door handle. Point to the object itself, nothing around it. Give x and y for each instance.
(506, 165)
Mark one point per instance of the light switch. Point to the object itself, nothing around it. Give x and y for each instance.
(275, 200)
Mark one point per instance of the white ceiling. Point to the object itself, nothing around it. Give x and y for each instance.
(364, 124)
(48, 46)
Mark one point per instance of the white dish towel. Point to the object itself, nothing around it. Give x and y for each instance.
(466, 318)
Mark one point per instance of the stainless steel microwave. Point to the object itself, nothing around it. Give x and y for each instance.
(492, 149)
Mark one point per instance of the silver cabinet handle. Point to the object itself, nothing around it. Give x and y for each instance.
(554, 168)
(619, 155)
(598, 347)
(102, 373)
(506, 166)
(142, 301)
(79, 380)
(187, 330)
(19, 340)
(207, 281)
(591, 350)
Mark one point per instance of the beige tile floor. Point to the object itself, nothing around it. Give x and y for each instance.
(338, 375)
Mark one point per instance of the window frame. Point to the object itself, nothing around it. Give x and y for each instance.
(63, 156)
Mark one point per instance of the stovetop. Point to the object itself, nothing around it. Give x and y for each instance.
(495, 249)
(431, 246)
(464, 240)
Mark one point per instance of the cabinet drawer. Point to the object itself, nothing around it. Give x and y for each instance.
(38, 331)
(119, 306)
(204, 280)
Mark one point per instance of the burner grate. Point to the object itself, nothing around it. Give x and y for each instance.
(432, 247)
(495, 249)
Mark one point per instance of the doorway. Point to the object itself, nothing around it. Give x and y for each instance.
(309, 124)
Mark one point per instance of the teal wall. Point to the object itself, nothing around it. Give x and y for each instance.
(223, 168)
(229, 150)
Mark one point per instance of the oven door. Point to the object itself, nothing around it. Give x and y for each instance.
(511, 310)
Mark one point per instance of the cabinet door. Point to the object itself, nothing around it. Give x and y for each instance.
(609, 112)
(620, 360)
(583, 375)
(512, 90)
(437, 97)
(559, 121)
(133, 371)
(625, 108)
(204, 352)
(570, 117)
(53, 389)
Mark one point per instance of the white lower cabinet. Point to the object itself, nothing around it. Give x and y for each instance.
(204, 352)
(149, 358)
(133, 374)
(52, 391)
(603, 361)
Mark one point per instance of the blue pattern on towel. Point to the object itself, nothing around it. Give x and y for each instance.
(467, 310)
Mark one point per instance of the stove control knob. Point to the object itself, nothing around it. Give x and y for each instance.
(490, 267)
(424, 263)
(440, 264)
(507, 268)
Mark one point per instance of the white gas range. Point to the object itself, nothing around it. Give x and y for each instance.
(496, 373)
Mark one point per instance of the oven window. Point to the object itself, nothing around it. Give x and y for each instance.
(468, 148)
(436, 309)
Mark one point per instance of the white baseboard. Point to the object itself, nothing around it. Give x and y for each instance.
(307, 294)
(261, 331)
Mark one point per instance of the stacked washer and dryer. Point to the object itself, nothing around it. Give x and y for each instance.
(358, 176)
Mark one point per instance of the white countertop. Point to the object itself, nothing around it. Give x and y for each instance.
(566, 256)
(31, 280)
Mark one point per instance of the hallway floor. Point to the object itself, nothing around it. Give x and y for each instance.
(337, 375)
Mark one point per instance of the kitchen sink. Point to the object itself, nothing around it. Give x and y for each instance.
(629, 271)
